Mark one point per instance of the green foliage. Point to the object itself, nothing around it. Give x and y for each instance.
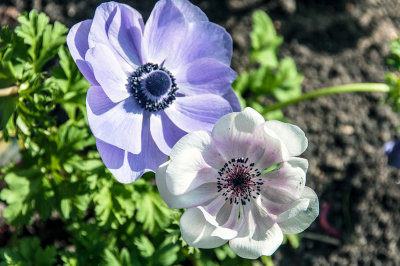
(8, 105)
(27, 251)
(26, 192)
(152, 211)
(267, 75)
(264, 41)
(43, 39)
(393, 78)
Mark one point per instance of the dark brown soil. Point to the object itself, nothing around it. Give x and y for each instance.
(333, 42)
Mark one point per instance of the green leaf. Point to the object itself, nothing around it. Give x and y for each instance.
(289, 80)
(43, 39)
(264, 40)
(27, 191)
(152, 211)
(8, 105)
(66, 207)
(27, 251)
(144, 246)
(166, 254)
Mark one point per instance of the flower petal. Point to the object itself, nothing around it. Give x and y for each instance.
(201, 141)
(77, 40)
(233, 133)
(116, 161)
(196, 231)
(194, 198)
(150, 157)
(123, 120)
(232, 98)
(188, 170)
(286, 183)
(163, 32)
(223, 215)
(108, 72)
(98, 34)
(198, 112)
(266, 149)
(258, 235)
(125, 34)
(191, 12)
(202, 40)
(205, 75)
(292, 136)
(301, 214)
(164, 132)
(227, 219)
(113, 157)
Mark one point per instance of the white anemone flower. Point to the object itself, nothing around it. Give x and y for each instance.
(242, 183)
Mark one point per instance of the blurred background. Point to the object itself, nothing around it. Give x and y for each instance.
(332, 42)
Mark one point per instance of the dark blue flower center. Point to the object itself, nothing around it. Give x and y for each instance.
(153, 87)
(157, 83)
(239, 181)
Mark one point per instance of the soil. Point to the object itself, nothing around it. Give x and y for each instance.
(332, 42)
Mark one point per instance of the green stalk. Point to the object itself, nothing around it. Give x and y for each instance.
(356, 87)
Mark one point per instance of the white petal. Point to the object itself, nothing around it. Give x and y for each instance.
(227, 218)
(258, 235)
(285, 184)
(196, 231)
(292, 136)
(194, 198)
(223, 215)
(265, 148)
(201, 141)
(302, 213)
(234, 132)
(188, 170)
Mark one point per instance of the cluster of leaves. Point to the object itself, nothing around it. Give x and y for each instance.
(393, 78)
(267, 75)
(61, 177)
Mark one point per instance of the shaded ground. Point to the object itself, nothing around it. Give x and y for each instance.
(332, 42)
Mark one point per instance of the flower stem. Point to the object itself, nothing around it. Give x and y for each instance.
(356, 87)
(8, 91)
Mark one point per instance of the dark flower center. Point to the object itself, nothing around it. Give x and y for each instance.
(153, 87)
(157, 83)
(238, 181)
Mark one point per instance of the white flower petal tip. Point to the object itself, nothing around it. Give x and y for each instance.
(220, 177)
(291, 135)
(302, 213)
(197, 232)
(255, 246)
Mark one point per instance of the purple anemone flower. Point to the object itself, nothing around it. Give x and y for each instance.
(153, 83)
(392, 150)
(241, 183)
